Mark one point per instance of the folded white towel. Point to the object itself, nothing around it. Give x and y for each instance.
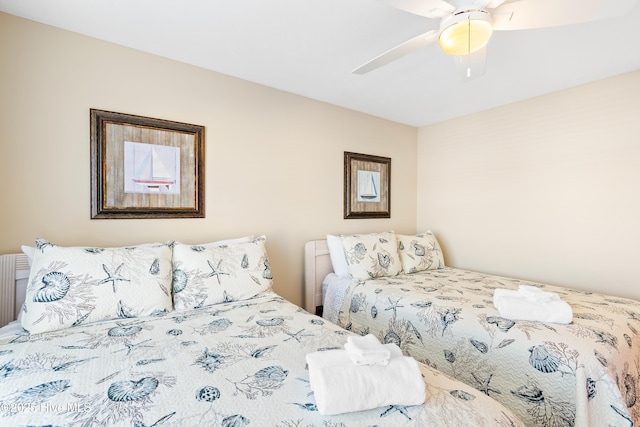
(367, 350)
(339, 386)
(533, 293)
(517, 305)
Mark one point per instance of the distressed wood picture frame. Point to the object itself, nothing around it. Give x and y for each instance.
(143, 167)
(367, 186)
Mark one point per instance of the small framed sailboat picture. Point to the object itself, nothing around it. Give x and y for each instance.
(145, 168)
(367, 184)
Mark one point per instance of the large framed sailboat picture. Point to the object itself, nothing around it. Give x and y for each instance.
(143, 167)
(367, 186)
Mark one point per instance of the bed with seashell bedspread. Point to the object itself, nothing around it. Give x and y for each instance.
(180, 335)
(231, 364)
(585, 373)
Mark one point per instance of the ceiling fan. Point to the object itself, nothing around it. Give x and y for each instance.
(467, 25)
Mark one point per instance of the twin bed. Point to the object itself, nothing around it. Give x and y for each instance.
(584, 373)
(207, 343)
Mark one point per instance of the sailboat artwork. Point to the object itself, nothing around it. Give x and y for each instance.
(151, 168)
(368, 186)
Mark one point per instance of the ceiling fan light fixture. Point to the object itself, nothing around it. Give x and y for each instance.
(465, 32)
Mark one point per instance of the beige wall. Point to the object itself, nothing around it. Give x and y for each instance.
(274, 161)
(545, 189)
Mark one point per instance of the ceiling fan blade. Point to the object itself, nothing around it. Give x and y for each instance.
(492, 4)
(473, 65)
(399, 51)
(428, 8)
(526, 14)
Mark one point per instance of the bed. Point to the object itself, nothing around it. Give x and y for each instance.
(229, 355)
(584, 373)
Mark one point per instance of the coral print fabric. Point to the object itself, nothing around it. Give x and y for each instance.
(69, 286)
(585, 373)
(210, 274)
(419, 252)
(231, 365)
(372, 255)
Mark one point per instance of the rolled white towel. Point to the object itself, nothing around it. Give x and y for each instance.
(367, 350)
(516, 306)
(534, 293)
(339, 386)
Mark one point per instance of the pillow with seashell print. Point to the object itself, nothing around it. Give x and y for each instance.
(372, 255)
(69, 286)
(30, 251)
(207, 274)
(420, 252)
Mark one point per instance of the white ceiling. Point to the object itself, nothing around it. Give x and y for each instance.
(310, 47)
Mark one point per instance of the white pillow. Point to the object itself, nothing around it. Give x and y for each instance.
(29, 251)
(338, 258)
(420, 252)
(227, 242)
(372, 255)
(73, 285)
(209, 274)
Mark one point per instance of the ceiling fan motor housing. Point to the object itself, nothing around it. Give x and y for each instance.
(465, 32)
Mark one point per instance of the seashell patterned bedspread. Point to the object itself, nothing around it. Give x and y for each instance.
(585, 373)
(230, 365)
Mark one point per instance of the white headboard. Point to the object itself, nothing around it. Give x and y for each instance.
(317, 264)
(14, 275)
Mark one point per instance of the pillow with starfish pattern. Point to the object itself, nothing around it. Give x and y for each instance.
(210, 274)
(70, 286)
